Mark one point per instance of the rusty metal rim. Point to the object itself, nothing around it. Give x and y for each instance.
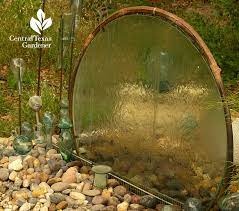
(197, 41)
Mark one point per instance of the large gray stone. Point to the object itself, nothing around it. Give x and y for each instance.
(148, 201)
(59, 186)
(57, 198)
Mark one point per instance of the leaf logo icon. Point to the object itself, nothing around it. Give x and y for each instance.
(41, 24)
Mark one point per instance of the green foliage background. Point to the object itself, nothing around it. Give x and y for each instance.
(217, 21)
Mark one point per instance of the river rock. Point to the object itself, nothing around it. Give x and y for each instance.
(57, 157)
(114, 201)
(36, 163)
(85, 169)
(53, 180)
(123, 206)
(43, 177)
(159, 207)
(38, 192)
(42, 160)
(71, 202)
(66, 192)
(47, 170)
(135, 199)
(26, 183)
(23, 193)
(106, 193)
(109, 208)
(97, 207)
(120, 190)
(136, 207)
(3, 188)
(70, 175)
(127, 198)
(74, 163)
(51, 152)
(18, 182)
(15, 163)
(8, 152)
(62, 205)
(20, 202)
(112, 183)
(54, 165)
(78, 196)
(87, 186)
(59, 173)
(92, 192)
(99, 200)
(148, 201)
(30, 170)
(4, 160)
(41, 150)
(25, 207)
(33, 200)
(59, 186)
(56, 198)
(52, 207)
(45, 186)
(80, 186)
(4, 174)
(29, 161)
(13, 175)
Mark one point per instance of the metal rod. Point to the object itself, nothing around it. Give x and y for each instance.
(20, 114)
(72, 40)
(40, 58)
(39, 72)
(20, 99)
(61, 55)
(37, 117)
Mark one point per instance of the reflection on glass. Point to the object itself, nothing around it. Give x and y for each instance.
(67, 34)
(66, 138)
(145, 103)
(18, 69)
(76, 9)
(22, 144)
(39, 134)
(27, 130)
(48, 128)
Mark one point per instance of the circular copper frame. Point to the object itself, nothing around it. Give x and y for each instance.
(198, 42)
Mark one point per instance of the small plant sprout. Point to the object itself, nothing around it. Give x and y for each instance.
(18, 67)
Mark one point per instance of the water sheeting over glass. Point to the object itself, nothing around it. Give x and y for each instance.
(145, 102)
